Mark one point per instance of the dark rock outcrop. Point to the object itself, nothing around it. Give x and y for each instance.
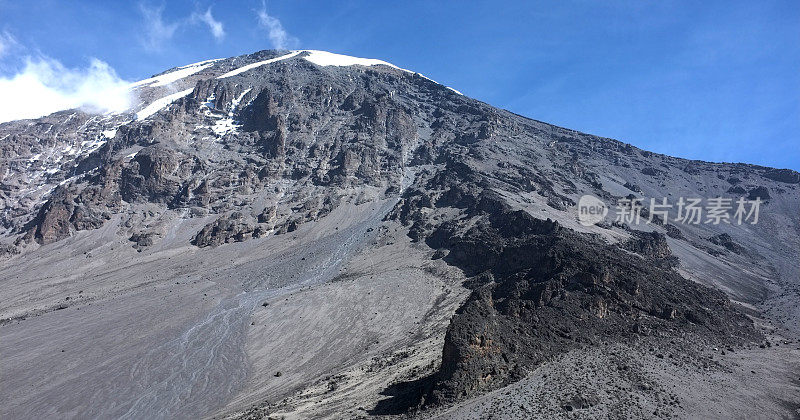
(760, 192)
(65, 213)
(231, 228)
(539, 289)
(652, 245)
(633, 187)
(725, 240)
(651, 171)
(673, 231)
(737, 190)
(142, 240)
(783, 175)
(545, 290)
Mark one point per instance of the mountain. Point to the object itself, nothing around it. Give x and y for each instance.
(314, 235)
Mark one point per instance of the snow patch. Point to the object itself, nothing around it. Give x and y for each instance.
(176, 75)
(109, 134)
(224, 126)
(243, 69)
(235, 103)
(324, 58)
(209, 103)
(213, 60)
(89, 146)
(159, 104)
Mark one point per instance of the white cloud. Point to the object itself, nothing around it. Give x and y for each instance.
(45, 86)
(214, 25)
(278, 36)
(156, 31)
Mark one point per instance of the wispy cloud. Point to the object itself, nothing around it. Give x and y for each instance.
(7, 43)
(45, 86)
(278, 36)
(156, 30)
(215, 26)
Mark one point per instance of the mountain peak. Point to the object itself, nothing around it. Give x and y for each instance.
(233, 66)
(252, 199)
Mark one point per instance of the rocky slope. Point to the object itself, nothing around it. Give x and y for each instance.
(278, 175)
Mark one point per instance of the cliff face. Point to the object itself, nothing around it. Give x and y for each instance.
(307, 133)
(260, 149)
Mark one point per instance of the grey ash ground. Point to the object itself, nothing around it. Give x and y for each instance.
(305, 240)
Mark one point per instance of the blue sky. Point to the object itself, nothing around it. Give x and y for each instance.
(711, 80)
